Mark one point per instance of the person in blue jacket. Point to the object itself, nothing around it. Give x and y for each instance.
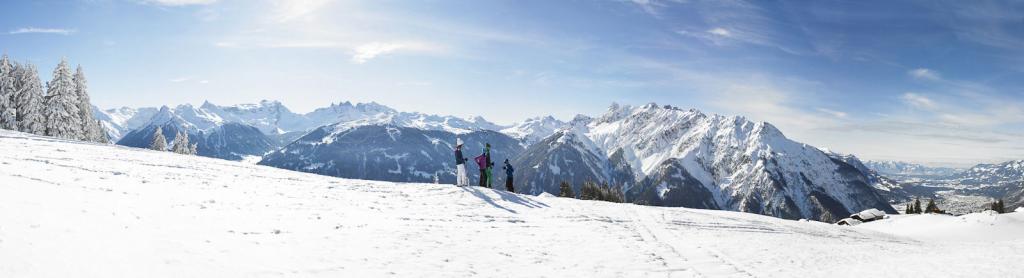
(508, 176)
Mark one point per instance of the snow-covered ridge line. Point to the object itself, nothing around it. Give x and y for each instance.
(910, 169)
(273, 118)
(158, 214)
(667, 156)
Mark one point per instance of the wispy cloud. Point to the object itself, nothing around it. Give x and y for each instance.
(369, 51)
(926, 74)
(289, 10)
(720, 32)
(834, 113)
(918, 101)
(34, 30)
(180, 79)
(178, 3)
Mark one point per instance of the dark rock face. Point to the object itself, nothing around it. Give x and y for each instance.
(232, 141)
(390, 153)
(556, 159)
(672, 186)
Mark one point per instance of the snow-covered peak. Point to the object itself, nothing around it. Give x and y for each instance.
(729, 155)
(615, 112)
(272, 117)
(167, 115)
(533, 130)
(262, 105)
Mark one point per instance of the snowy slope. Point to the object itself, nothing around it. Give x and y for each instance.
(71, 209)
(982, 226)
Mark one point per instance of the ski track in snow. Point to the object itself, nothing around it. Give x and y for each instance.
(88, 210)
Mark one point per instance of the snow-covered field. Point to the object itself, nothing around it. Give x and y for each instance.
(86, 210)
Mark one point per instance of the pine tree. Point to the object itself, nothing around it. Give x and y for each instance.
(192, 149)
(29, 100)
(932, 208)
(565, 190)
(909, 209)
(8, 114)
(917, 206)
(91, 129)
(999, 207)
(180, 144)
(159, 143)
(103, 137)
(63, 118)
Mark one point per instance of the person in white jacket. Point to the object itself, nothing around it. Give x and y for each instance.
(461, 179)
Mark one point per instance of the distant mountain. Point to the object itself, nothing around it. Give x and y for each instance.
(565, 156)
(119, 121)
(1006, 173)
(998, 181)
(891, 189)
(909, 169)
(231, 140)
(534, 129)
(270, 117)
(274, 119)
(389, 153)
(672, 157)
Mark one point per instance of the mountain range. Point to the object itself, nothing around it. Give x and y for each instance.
(667, 156)
(908, 169)
(280, 126)
(655, 155)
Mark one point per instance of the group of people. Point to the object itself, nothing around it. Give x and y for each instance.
(486, 167)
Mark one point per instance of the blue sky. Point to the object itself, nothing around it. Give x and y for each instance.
(940, 82)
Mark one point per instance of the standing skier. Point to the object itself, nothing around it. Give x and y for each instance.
(460, 165)
(481, 161)
(490, 165)
(508, 176)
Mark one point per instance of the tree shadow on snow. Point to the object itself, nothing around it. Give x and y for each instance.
(505, 196)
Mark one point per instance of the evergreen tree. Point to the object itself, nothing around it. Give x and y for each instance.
(932, 208)
(159, 143)
(180, 144)
(29, 100)
(998, 207)
(909, 209)
(103, 137)
(91, 129)
(63, 118)
(192, 149)
(8, 114)
(917, 205)
(565, 190)
(592, 191)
